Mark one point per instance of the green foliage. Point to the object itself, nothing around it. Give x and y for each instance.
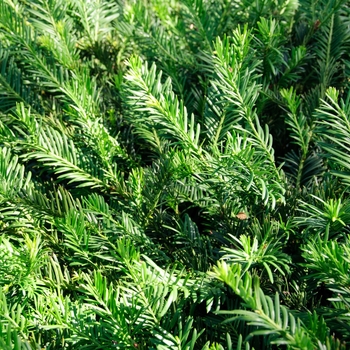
(174, 174)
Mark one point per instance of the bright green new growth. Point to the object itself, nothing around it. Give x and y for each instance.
(174, 174)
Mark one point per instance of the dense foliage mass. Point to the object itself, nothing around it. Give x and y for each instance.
(174, 174)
